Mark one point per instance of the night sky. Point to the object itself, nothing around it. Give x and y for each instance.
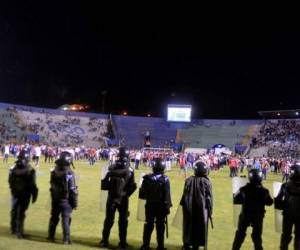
(52, 53)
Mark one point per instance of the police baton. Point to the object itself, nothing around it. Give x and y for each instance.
(211, 222)
(167, 227)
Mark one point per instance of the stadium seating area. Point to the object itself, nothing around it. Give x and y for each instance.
(280, 137)
(205, 136)
(53, 128)
(57, 127)
(132, 130)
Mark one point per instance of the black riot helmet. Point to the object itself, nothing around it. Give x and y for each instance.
(122, 158)
(23, 158)
(255, 176)
(65, 159)
(159, 166)
(201, 169)
(295, 173)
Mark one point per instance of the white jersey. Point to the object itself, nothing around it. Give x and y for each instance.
(38, 151)
(138, 156)
(6, 150)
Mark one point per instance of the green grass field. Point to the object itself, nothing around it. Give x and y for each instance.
(87, 220)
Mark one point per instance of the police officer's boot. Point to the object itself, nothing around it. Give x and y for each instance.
(186, 247)
(148, 228)
(13, 226)
(51, 230)
(13, 220)
(238, 240)
(160, 235)
(108, 223)
(66, 231)
(123, 234)
(20, 228)
(297, 243)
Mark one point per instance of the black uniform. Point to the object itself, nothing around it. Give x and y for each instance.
(253, 197)
(155, 190)
(288, 200)
(120, 184)
(64, 199)
(197, 205)
(22, 183)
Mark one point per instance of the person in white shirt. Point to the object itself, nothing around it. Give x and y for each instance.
(6, 153)
(138, 157)
(77, 152)
(37, 155)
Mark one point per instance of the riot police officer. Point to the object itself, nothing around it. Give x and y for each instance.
(155, 190)
(22, 183)
(253, 197)
(197, 205)
(288, 200)
(64, 196)
(120, 183)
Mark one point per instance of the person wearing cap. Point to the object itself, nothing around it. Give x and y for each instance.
(155, 190)
(288, 200)
(22, 183)
(253, 197)
(64, 196)
(197, 205)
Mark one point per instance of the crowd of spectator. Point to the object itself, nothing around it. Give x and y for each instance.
(282, 137)
(56, 129)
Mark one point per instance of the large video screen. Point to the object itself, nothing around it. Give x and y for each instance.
(179, 113)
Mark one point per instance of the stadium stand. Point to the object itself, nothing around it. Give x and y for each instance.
(205, 136)
(280, 137)
(56, 127)
(132, 131)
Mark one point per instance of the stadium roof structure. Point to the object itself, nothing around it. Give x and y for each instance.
(280, 114)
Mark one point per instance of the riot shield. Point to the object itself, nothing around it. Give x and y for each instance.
(140, 215)
(237, 183)
(103, 193)
(278, 213)
(178, 218)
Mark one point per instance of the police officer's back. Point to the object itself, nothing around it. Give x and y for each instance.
(197, 206)
(288, 200)
(120, 184)
(155, 190)
(22, 183)
(64, 196)
(253, 197)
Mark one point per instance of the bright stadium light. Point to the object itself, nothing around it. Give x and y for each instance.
(179, 113)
